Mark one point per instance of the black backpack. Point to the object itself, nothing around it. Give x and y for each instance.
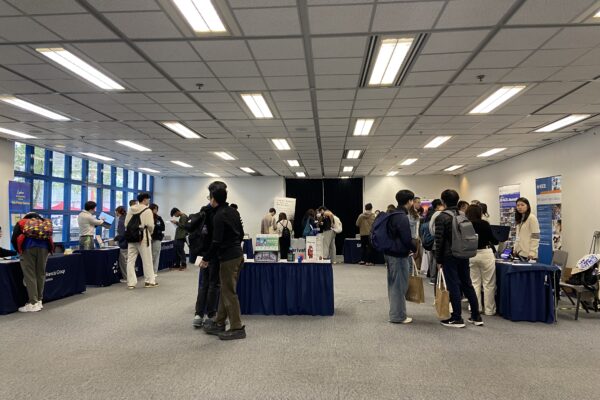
(587, 278)
(285, 232)
(134, 231)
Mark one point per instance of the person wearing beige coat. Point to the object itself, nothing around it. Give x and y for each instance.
(364, 222)
(528, 231)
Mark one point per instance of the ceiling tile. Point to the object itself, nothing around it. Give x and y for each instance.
(340, 19)
(269, 21)
(409, 16)
(138, 25)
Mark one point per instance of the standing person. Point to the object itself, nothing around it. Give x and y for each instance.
(414, 220)
(417, 205)
(462, 207)
(267, 225)
(483, 265)
(456, 270)
(397, 259)
(427, 239)
(364, 222)
(309, 224)
(157, 236)
(120, 239)
(325, 225)
(139, 225)
(227, 236)
(285, 235)
(133, 202)
(484, 212)
(88, 222)
(33, 247)
(390, 208)
(527, 241)
(179, 219)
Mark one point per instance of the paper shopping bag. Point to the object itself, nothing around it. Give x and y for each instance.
(415, 292)
(442, 297)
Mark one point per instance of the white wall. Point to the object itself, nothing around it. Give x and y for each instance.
(253, 195)
(576, 159)
(7, 157)
(381, 191)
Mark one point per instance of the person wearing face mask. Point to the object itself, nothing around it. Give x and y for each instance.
(157, 237)
(528, 231)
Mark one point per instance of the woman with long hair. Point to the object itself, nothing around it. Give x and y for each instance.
(528, 231)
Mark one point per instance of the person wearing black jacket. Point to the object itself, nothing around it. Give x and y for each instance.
(456, 270)
(157, 236)
(120, 239)
(227, 235)
(397, 259)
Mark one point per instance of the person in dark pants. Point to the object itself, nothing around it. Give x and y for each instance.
(364, 222)
(227, 236)
(456, 270)
(284, 229)
(179, 219)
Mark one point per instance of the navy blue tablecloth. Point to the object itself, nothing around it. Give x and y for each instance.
(248, 248)
(101, 266)
(286, 289)
(65, 277)
(353, 252)
(526, 293)
(166, 260)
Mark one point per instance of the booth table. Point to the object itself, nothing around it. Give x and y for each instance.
(167, 258)
(65, 277)
(284, 288)
(526, 292)
(353, 252)
(101, 266)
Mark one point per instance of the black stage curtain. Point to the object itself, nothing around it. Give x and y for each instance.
(343, 196)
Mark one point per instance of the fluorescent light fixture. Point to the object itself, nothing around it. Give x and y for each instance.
(152, 171)
(16, 134)
(392, 173)
(561, 123)
(491, 152)
(363, 127)
(25, 105)
(248, 170)
(344, 177)
(353, 154)
(98, 156)
(390, 58)
(453, 168)
(182, 164)
(597, 15)
(79, 67)
(293, 163)
(348, 168)
(300, 174)
(281, 144)
(437, 142)
(180, 129)
(409, 161)
(201, 15)
(132, 145)
(257, 104)
(496, 99)
(211, 174)
(225, 156)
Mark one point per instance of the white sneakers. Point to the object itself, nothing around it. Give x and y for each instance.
(31, 307)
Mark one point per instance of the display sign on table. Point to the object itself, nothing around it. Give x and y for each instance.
(286, 205)
(549, 213)
(314, 248)
(267, 242)
(508, 196)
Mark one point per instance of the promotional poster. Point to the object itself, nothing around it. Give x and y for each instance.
(549, 213)
(508, 196)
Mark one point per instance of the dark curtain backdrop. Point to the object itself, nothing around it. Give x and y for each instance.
(344, 197)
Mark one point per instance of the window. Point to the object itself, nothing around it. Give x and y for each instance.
(58, 196)
(58, 165)
(19, 179)
(106, 175)
(74, 229)
(75, 197)
(140, 185)
(106, 206)
(57, 227)
(129, 197)
(130, 175)
(92, 172)
(118, 198)
(39, 156)
(76, 168)
(38, 194)
(147, 183)
(20, 150)
(92, 194)
(119, 177)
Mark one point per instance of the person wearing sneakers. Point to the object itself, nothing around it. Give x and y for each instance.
(397, 259)
(139, 227)
(227, 236)
(33, 253)
(456, 270)
(364, 222)
(179, 219)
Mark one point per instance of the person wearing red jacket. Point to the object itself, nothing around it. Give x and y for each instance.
(33, 254)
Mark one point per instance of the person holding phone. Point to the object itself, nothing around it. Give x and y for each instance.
(88, 222)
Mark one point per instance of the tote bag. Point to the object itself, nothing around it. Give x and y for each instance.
(442, 297)
(415, 292)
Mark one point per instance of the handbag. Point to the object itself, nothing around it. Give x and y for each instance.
(442, 297)
(415, 292)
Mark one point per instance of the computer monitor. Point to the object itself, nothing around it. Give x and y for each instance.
(500, 232)
(108, 220)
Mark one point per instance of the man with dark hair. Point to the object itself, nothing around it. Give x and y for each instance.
(268, 223)
(397, 258)
(462, 207)
(132, 202)
(179, 219)
(364, 222)
(88, 222)
(456, 270)
(227, 236)
(142, 248)
(234, 206)
(434, 211)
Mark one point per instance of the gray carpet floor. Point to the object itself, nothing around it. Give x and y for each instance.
(111, 343)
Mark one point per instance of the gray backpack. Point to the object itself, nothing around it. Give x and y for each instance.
(464, 238)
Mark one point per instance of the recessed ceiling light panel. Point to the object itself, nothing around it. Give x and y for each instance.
(561, 123)
(257, 105)
(453, 168)
(133, 145)
(201, 15)
(224, 155)
(496, 99)
(437, 142)
(363, 127)
(25, 105)
(98, 156)
(491, 152)
(390, 57)
(182, 164)
(17, 134)
(180, 129)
